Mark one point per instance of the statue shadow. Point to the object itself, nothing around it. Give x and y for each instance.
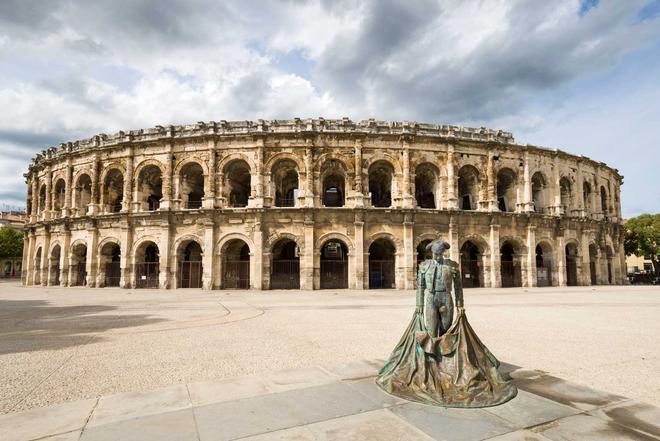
(36, 325)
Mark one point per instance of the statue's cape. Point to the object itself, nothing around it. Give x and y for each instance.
(454, 370)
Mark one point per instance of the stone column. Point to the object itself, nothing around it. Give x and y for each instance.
(219, 194)
(45, 258)
(408, 199)
(308, 269)
(309, 173)
(409, 254)
(165, 262)
(494, 244)
(92, 257)
(585, 276)
(579, 206)
(66, 258)
(166, 203)
(49, 194)
(528, 203)
(258, 200)
(93, 206)
(359, 255)
(594, 198)
(454, 251)
(531, 256)
(561, 261)
(358, 184)
(28, 261)
(68, 190)
(34, 211)
(557, 209)
(209, 252)
(27, 245)
(491, 202)
(257, 258)
(128, 182)
(452, 202)
(209, 182)
(127, 263)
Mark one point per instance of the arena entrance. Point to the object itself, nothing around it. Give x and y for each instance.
(509, 266)
(543, 265)
(37, 267)
(54, 268)
(147, 267)
(471, 267)
(571, 264)
(235, 265)
(381, 264)
(334, 265)
(79, 265)
(285, 266)
(111, 264)
(189, 272)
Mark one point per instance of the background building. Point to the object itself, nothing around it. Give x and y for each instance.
(317, 204)
(11, 266)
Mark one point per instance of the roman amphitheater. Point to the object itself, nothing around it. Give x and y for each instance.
(315, 204)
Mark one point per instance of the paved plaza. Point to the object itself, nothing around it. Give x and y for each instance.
(76, 345)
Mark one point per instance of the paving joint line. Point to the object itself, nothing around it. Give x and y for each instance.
(89, 417)
(192, 409)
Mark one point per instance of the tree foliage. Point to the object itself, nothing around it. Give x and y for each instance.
(643, 237)
(11, 242)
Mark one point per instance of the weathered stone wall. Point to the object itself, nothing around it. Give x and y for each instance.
(97, 206)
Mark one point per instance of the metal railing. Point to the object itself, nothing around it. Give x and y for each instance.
(285, 274)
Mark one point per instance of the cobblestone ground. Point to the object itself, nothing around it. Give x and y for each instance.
(62, 344)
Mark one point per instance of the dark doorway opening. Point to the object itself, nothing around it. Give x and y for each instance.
(334, 265)
(236, 265)
(471, 265)
(285, 268)
(147, 268)
(509, 267)
(381, 264)
(190, 266)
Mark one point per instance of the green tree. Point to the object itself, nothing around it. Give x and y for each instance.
(643, 238)
(11, 242)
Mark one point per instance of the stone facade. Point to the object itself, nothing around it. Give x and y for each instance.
(316, 204)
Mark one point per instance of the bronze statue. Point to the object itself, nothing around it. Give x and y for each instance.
(439, 359)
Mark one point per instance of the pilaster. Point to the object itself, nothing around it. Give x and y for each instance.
(531, 256)
(494, 244)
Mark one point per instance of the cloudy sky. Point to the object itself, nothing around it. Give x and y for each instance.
(582, 76)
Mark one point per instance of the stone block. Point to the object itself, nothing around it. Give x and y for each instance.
(588, 428)
(527, 410)
(169, 426)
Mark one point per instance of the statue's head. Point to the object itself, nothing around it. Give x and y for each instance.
(438, 248)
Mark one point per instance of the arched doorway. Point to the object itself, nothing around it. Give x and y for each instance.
(539, 193)
(79, 265)
(334, 265)
(333, 178)
(284, 178)
(506, 190)
(426, 179)
(147, 266)
(83, 196)
(110, 264)
(189, 268)
(380, 184)
(543, 264)
(285, 267)
(237, 186)
(191, 185)
(593, 256)
(471, 266)
(509, 266)
(571, 264)
(54, 269)
(381, 264)
(113, 191)
(150, 188)
(468, 188)
(609, 254)
(235, 265)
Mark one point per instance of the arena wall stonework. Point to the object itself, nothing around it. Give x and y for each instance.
(317, 204)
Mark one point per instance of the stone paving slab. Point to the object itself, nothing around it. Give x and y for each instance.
(339, 402)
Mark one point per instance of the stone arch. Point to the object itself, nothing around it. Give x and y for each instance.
(519, 243)
(335, 235)
(141, 241)
(78, 251)
(55, 255)
(112, 188)
(190, 159)
(382, 183)
(146, 163)
(387, 157)
(472, 256)
(59, 190)
(189, 252)
(478, 240)
(572, 255)
(233, 236)
(326, 157)
(540, 191)
(384, 256)
(146, 268)
(427, 185)
(277, 236)
(274, 159)
(506, 187)
(109, 254)
(398, 243)
(53, 244)
(469, 187)
(284, 181)
(332, 181)
(226, 160)
(430, 236)
(284, 260)
(237, 187)
(37, 258)
(545, 262)
(233, 268)
(112, 166)
(604, 206)
(566, 194)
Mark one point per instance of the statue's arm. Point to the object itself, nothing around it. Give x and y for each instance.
(421, 285)
(458, 285)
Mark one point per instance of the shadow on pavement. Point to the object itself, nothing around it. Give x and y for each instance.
(35, 325)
